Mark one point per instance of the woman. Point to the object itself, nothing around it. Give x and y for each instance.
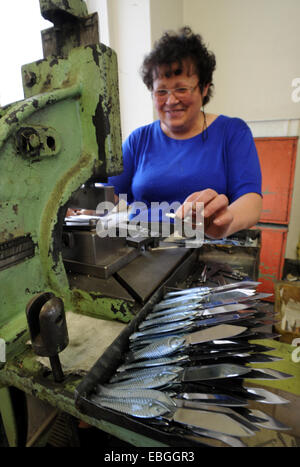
(186, 155)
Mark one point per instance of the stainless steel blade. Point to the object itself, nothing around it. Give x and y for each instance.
(183, 326)
(230, 295)
(202, 311)
(235, 356)
(222, 331)
(213, 421)
(267, 397)
(267, 373)
(233, 285)
(209, 303)
(215, 399)
(198, 405)
(169, 345)
(190, 325)
(260, 358)
(216, 371)
(197, 319)
(182, 359)
(270, 423)
(251, 335)
(226, 439)
(191, 314)
(209, 345)
(225, 309)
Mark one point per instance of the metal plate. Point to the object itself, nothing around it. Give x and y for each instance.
(147, 272)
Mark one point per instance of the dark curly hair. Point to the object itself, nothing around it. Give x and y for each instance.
(175, 47)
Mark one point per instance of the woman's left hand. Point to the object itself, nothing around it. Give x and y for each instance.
(210, 206)
(80, 212)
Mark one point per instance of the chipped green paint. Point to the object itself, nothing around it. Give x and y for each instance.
(96, 66)
(93, 304)
(77, 98)
(74, 7)
(22, 110)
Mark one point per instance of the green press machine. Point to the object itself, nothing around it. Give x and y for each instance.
(56, 147)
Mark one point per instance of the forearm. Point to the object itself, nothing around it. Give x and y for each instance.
(245, 211)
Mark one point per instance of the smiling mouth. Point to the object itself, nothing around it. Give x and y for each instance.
(174, 112)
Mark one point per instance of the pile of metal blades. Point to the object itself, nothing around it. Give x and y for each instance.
(187, 361)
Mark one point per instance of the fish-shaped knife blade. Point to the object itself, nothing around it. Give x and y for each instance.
(159, 377)
(151, 320)
(163, 307)
(169, 345)
(206, 290)
(190, 325)
(230, 296)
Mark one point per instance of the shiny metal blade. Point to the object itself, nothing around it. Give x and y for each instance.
(153, 362)
(204, 336)
(210, 302)
(235, 294)
(262, 358)
(222, 319)
(225, 309)
(270, 423)
(234, 357)
(222, 331)
(250, 335)
(168, 318)
(233, 285)
(163, 329)
(231, 296)
(213, 421)
(267, 397)
(191, 324)
(202, 311)
(193, 314)
(193, 404)
(230, 440)
(267, 373)
(215, 399)
(217, 371)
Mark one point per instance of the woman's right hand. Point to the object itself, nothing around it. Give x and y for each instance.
(212, 208)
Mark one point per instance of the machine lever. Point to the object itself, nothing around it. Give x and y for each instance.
(48, 329)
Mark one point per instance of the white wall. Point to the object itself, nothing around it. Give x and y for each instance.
(21, 24)
(165, 15)
(130, 37)
(257, 46)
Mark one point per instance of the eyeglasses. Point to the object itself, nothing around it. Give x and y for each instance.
(179, 93)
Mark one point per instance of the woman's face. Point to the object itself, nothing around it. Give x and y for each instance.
(180, 114)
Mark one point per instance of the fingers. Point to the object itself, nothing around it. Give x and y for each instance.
(70, 212)
(206, 202)
(222, 217)
(80, 212)
(215, 207)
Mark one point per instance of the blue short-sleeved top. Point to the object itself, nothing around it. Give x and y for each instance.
(158, 168)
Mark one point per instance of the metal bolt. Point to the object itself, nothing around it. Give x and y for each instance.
(30, 79)
(34, 140)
